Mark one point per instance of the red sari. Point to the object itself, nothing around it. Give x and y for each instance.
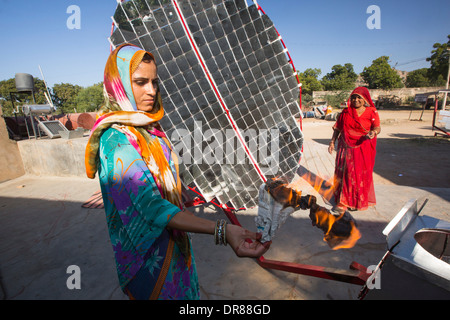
(355, 157)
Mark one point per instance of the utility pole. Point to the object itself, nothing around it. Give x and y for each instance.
(448, 78)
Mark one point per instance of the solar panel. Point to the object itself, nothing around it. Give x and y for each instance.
(229, 90)
(52, 129)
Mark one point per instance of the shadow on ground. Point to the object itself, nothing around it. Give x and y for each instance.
(40, 239)
(415, 162)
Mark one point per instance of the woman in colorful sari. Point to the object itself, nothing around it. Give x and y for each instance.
(141, 188)
(356, 130)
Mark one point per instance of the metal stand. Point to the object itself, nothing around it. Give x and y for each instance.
(424, 98)
(443, 131)
(13, 96)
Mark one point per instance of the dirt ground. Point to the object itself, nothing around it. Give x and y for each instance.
(408, 153)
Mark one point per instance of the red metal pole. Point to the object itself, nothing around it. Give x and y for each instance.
(357, 274)
(435, 110)
(352, 276)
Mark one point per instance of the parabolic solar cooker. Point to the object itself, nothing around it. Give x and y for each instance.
(229, 88)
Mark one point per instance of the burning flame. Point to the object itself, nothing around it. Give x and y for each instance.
(284, 193)
(340, 232)
(350, 242)
(324, 187)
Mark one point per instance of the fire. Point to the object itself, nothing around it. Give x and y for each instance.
(283, 193)
(324, 187)
(339, 231)
(350, 242)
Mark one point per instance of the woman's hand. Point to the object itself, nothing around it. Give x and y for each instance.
(331, 147)
(245, 243)
(372, 134)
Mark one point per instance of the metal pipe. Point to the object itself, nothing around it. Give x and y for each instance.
(352, 276)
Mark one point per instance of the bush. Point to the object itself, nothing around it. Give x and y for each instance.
(335, 100)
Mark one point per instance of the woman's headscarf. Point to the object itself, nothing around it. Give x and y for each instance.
(120, 66)
(363, 92)
(120, 112)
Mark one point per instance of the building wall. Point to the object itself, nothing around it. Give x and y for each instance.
(403, 93)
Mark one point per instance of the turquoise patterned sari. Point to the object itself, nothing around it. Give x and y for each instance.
(137, 218)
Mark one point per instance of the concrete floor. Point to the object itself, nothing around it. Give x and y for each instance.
(44, 230)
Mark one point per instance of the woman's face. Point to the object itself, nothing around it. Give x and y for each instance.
(144, 82)
(357, 101)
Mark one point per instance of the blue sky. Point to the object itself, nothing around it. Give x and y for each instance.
(318, 34)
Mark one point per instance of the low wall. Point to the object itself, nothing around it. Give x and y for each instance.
(44, 157)
(11, 163)
(54, 157)
(318, 96)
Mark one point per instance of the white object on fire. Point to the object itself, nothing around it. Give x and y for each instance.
(271, 215)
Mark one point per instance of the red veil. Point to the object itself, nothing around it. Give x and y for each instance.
(356, 153)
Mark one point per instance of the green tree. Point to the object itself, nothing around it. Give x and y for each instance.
(439, 63)
(418, 78)
(380, 75)
(90, 99)
(64, 96)
(340, 78)
(309, 80)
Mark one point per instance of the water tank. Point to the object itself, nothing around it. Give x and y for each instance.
(32, 109)
(24, 82)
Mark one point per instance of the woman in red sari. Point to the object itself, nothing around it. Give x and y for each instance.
(356, 130)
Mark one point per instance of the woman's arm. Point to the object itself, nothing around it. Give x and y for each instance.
(336, 133)
(239, 238)
(376, 126)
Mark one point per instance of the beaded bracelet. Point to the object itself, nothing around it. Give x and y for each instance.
(220, 233)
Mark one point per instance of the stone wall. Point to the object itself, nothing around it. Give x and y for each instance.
(403, 93)
(11, 162)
